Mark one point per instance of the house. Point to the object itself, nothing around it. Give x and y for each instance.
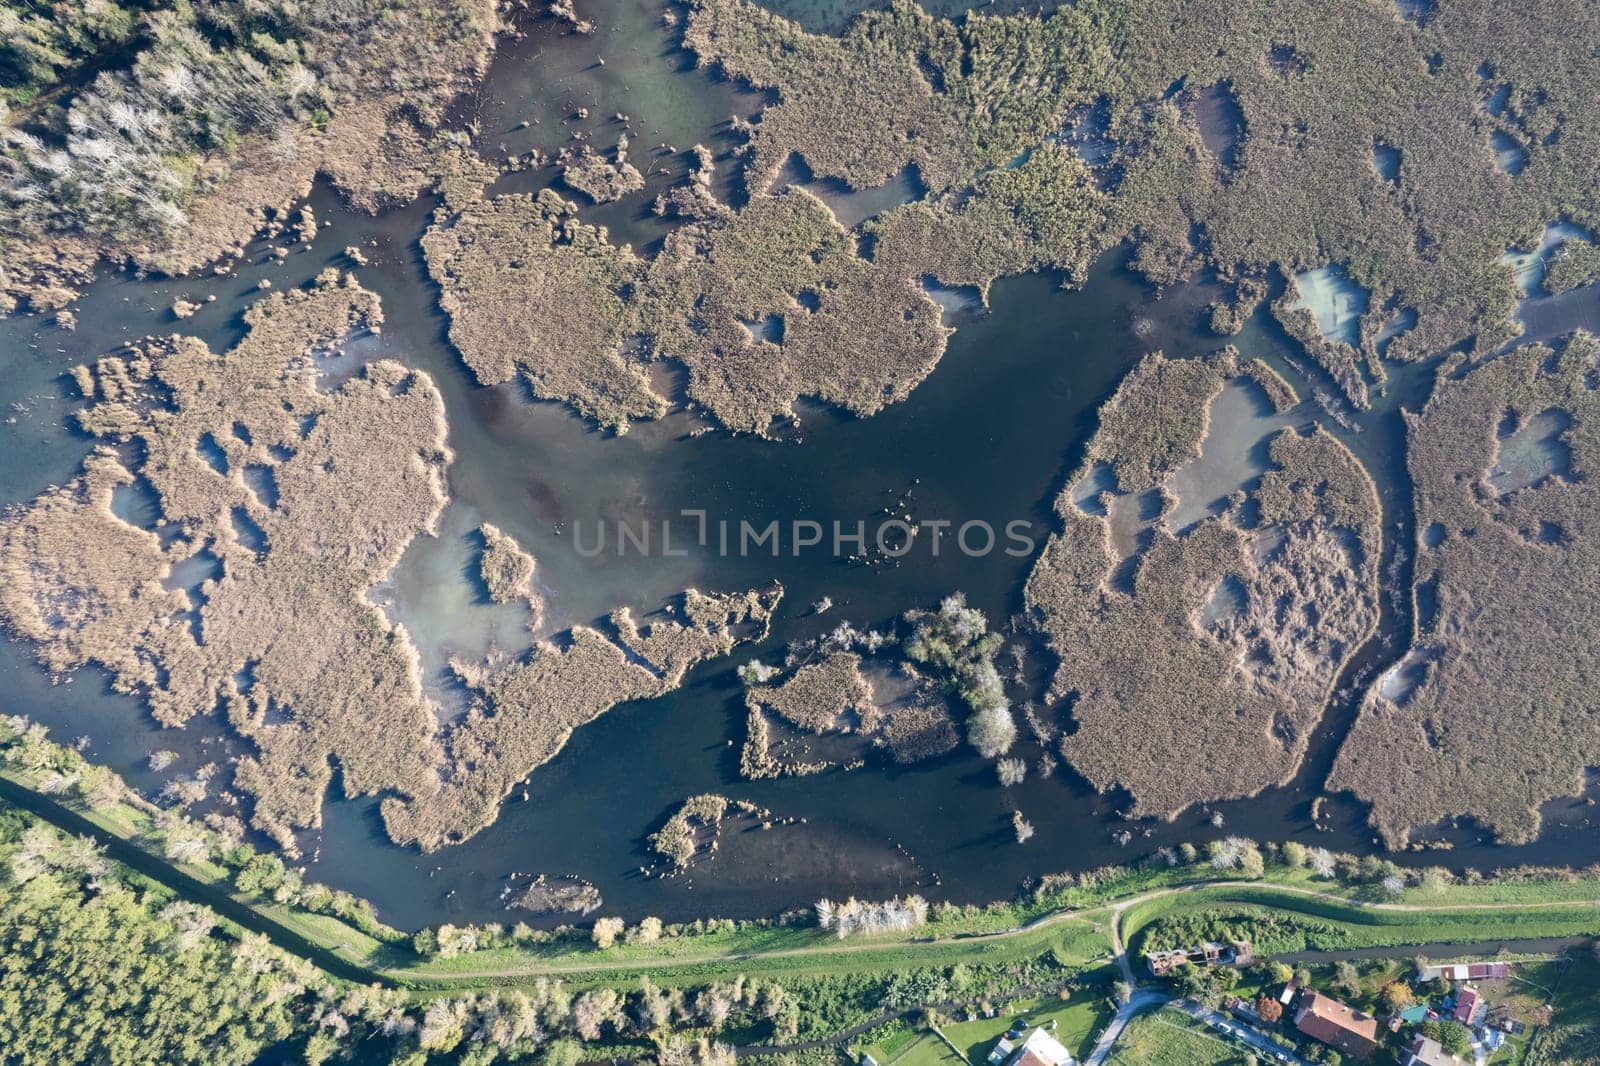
(1467, 971)
(1336, 1024)
(1468, 1003)
(1211, 953)
(1425, 1052)
(1286, 997)
(1039, 1049)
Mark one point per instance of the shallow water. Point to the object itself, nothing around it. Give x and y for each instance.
(1528, 267)
(852, 206)
(1232, 455)
(1510, 157)
(992, 435)
(1335, 299)
(1529, 453)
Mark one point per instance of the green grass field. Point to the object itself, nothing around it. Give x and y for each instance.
(1334, 924)
(1076, 1022)
(1171, 1038)
(917, 1049)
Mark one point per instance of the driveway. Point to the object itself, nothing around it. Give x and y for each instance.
(1240, 1031)
(1143, 999)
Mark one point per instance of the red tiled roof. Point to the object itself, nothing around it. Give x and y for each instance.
(1326, 1019)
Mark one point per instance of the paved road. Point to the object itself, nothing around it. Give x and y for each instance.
(1143, 999)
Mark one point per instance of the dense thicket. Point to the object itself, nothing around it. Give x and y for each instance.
(96, 966)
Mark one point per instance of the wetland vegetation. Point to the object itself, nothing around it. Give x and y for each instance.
(1195, 664)
(643, 262)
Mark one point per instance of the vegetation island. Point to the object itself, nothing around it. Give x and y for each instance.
(1394, 186)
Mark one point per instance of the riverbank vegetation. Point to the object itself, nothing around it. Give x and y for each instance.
(1194, 663)
(644, 988)
(166, 135)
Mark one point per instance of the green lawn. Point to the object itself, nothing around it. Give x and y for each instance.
(1172, 1038)
(923, 1049)
(1573, 1035)
(1077, 1021)
(1335, 924)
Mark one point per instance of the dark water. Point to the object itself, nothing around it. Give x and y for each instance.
(991, 435)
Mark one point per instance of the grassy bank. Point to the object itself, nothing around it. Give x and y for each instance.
(1068, 920)
(1294, 920)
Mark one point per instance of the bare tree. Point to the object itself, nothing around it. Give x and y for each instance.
(1022, 827)
(606, 931)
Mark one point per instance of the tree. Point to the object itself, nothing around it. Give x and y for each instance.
(824, 909)
(1269, 1009)
(1323, 862)
(322, 1046)
(1237, 853)
(606, 931)
(1011, 771)
(1396, 996)
(442, 1026)
(992, 730)
(655, 1009)
(563, 1052)
(1435, 879)
(1345, 978)
(1122, 992)
(648, 930)
(1455, 1038)
(592, 1010)
(1279, 973)
(1294, 854)
(755, 672)
(1022, 827)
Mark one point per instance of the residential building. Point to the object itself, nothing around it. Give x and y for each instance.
(1468, 1003)
(1211, 953)
(1039, 1049)
(1337, 1025)
(1467, 971)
